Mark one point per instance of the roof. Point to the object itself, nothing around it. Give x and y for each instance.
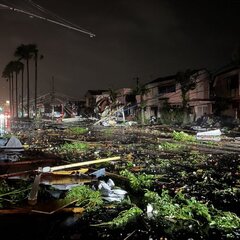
(96, 92)
(171, 77)
(162, 79)
(225, 69)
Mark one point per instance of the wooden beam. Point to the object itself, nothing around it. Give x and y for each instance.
(97, 161)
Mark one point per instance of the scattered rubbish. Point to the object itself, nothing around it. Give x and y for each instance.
(73, 119)
(153, 120)
(110, 193)
(10, 148)
(195, 171)
(11, 144)
(110, 183)
(131, 123)
(99, 173)
(109, 122)
(149, 210)
(104, 188)
(54, 193)
(199, 128)
(237, 139)
(213, 135)
(119, 192)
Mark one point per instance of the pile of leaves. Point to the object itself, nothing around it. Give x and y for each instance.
(183, 137)
(86, 197)
(70, 148)
(78, 130)
(138, 181)
(167, 146)
(125, 217)
(12, 194)
(179, 210)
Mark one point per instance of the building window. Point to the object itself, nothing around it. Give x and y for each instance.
(232, 82)
(166, 89)
(235, 105)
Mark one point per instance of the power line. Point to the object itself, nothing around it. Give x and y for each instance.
(46, 11)
(75, 28)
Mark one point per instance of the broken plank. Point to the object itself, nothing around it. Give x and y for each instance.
(28, 210)
(32, 198)
(16, 174)
(52, 179)
(61, 167)
(52, 207)
(73, 172)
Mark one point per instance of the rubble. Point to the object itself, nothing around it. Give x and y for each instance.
(212, 135)
(10, 148)
(109, 191)
(204, 170)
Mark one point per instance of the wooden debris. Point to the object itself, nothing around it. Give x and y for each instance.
(61, 167)
(32, 198)
(73, 172)
(53, 206)
(52, 179)
(28, 210)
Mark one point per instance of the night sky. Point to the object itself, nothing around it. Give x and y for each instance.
(134, 38)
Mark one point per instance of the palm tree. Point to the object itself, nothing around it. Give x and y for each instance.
(141, 90)
(187, 81)
(22, 85)
(8, 74)
(26, 52)
(113, 95)
(36, 58)
(17, 67)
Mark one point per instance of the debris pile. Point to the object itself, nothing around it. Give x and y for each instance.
(154, 182)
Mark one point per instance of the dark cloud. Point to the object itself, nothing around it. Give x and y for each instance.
(140, 38)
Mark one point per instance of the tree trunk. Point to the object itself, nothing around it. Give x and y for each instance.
(16, 91)
(142, 115)
(36, 78)
(28, 107)
(22, 91)
(12, 96)
(184, 103)
(142, 111)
